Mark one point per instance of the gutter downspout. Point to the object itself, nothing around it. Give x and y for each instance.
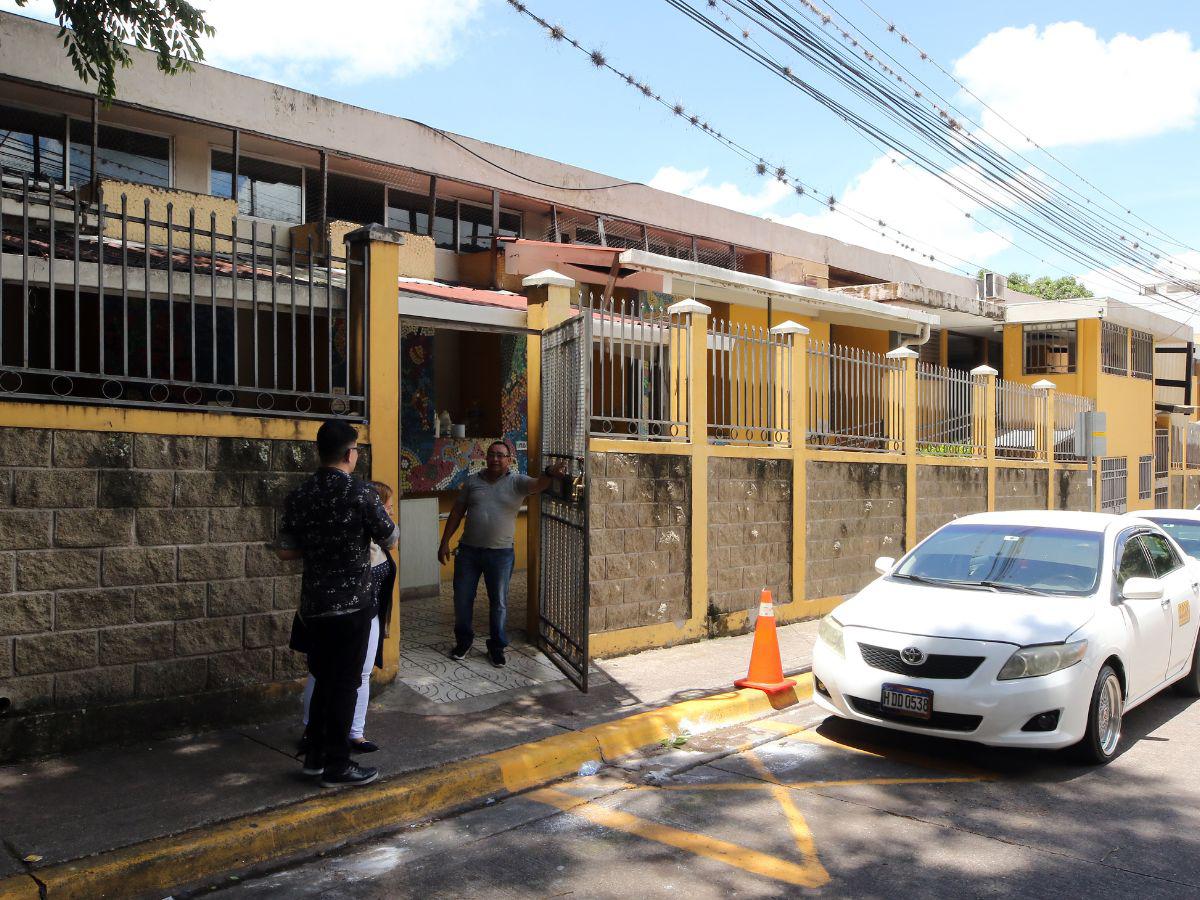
(913, 342)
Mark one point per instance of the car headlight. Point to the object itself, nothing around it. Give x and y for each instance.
(830, 631)
(1030, 662)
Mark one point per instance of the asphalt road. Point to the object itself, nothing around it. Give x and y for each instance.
(799, 804)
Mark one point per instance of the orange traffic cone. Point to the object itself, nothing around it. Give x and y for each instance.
(766, 666)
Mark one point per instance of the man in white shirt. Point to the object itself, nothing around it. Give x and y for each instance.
(490, 501)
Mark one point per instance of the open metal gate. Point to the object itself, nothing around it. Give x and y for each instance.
(563, 566)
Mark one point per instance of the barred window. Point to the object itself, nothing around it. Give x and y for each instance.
(1145, 477)
(121, 154)
(1114, 349)
(1142, 347)
(1050, 348)
(1114, 484)
(31, 143)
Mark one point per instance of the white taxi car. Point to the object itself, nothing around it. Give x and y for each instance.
(1183, 525)
(1016, 629)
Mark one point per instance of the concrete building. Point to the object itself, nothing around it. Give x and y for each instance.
(196, 275)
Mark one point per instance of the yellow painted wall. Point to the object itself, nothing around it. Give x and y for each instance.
(871, 339)
(1129, 405)
(1083, 381)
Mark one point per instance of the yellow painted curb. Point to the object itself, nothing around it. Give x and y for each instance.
(155, 866)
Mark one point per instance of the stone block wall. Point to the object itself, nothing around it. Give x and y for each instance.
(1021, 488)
(1073, 492)
(640, 518)
(134, 569)
(948, 492)
(856, 513)
(749, 533)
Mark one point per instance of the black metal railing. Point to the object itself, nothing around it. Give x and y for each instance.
(105, 301)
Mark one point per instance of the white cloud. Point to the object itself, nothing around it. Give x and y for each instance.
(694, 184)
(905, 198)
(1067, 85)
(301, 42)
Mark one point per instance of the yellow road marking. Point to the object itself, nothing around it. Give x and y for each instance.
(809, 785)
(800, 830)
(754, 861)
(811, 736)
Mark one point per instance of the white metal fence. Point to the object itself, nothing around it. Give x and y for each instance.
(1020, 421)
(750, 373)
(946, 404)
(855, 399)
(1067, 409)
(641, 371)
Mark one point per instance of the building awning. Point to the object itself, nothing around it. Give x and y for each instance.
(584, 263)
(455, 306)
(684, 277)
(1162, 327)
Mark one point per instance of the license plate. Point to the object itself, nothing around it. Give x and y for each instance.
(903, 700)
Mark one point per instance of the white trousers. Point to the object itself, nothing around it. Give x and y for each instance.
(364, 689)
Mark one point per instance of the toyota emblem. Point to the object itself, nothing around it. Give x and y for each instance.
(914, 656)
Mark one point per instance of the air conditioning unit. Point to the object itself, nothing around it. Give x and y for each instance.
(991, 286)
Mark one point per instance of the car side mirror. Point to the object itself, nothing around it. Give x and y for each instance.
(1142, 589)
(885, 564)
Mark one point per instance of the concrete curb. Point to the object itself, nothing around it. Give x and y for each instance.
(154, 867)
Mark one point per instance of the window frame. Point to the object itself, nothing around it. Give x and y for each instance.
(1146, 477)
(1145, 340)
(133, 129)
(1119, 503)
(1145, 536)
(1112, 362)
(1119, 545)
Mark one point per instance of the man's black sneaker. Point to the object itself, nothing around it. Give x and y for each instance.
(460, 650)
(353, 774)
(314, 762)
(496, 655)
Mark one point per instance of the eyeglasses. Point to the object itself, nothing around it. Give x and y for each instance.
(491, 454)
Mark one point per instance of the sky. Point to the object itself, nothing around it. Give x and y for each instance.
(1111, 89)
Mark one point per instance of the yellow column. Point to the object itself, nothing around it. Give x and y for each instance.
(797, 397)
(908, 436)
(985, 421)
(379, 247)
(1045, 450)
(695, 316)
(549, 296)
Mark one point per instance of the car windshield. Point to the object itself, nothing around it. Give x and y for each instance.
(1025, 558)
(1186, 534)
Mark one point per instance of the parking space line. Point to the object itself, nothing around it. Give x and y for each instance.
(808, 874)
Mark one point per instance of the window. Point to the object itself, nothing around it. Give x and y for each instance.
(1162, 556)
(1142, 352)
(407, 211)
(1133, 562)
(1114, 349)
(444, 224)
(267, 190)
(355, 200)
(1145, 477)
(31, 143)
(1185, 532)
(1050, 348)
(121, 154)
(475, 227)
(1114, 485)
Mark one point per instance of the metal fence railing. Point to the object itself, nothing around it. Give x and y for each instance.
(749, 371)
(1020, 421)
(1177, 446)
(1067, 409)
(1162, 452)
(1192, 437)
(855, 399)
(641, 371)
(1114, 484)
(946, 412)
(106, 302)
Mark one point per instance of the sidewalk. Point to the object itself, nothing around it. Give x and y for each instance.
(69, 807)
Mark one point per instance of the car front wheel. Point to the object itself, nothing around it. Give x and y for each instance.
(1103, 735)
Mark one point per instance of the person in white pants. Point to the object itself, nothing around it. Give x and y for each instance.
(381, 568)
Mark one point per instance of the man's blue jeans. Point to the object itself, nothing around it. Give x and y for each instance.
(496, 567)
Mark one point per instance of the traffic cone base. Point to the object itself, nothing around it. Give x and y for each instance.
(766, 666)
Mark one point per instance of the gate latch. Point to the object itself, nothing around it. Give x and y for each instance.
(576, 489)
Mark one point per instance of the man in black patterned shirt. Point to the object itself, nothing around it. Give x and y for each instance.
(330, 522)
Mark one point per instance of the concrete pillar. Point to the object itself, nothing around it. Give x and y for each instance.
(902, 406)
(1045, 450)
(985, 424)
(797, 399)
(697, 314)
(379, 249)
